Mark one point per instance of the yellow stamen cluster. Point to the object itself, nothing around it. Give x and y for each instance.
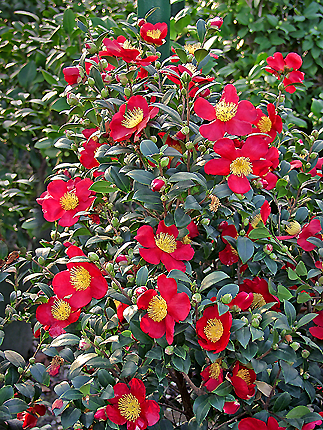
(241, 166)
(61, 310)
(264, 124)
(129, 407)
(157, 308)
(132, 118)
(293, 228)
(69, 201)
(191, 67)
(213, 329)
(166, 242)
(258, 301)
(225, 111)
(80, 278)
(215, 203)
(255, 220)
(215, 369)
(154, 34)
(192, 47)
(186, 240)
(245, 375)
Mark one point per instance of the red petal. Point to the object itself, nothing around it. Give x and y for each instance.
(151, 255)
(169, 324)
(276, 62)
(238, 127)
(170, 263)
(183, 252)
(171, 230)
(146, 237)
(317, 332)
(99, 287)
(144, 299)
(74, 251)
(239, 185)
(230, 94)
(231, 407)
(154, 329)
(62, 285)
(80, 298)
(120, 389)
(179, 306)
(213, 131)
(167, 287)
(204, 109)
(254, 148)
(52, 209)
(220, 166)
(246, 111)
(293, 61)
(265, 211)
(150, 409)
(251, 424)
(226, 148)
(319, 319)
(57, 188)
(68, 219)
(137, 388)
(114, 415)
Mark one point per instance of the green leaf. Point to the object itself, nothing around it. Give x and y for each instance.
(283, 293)
(70, 416)
(142, 176)
(142, 276)
(187, 176)
(201, 29)
(217, 402)
(305, 320)
(170, 111)
(16, 406)
(191, 203)
(178, 275)
(245, 248)
(243, 336)
(39, 373)
(290, 312)
(105, 378)
(301, 269)
(15, 358)
(27, 74)
(26, 389)
(68, 21)
(6, 393)
(129, 369)
(298, 412)
(96, 75)
(282, 402)
(102, 187)
(212, 278)
(60, 105)
(201, 408)
(292, 275)
(148, 148)
(3, 250)
(223, 389)
(232, 289)
(289, 372)
(181, 218)
(65, 339)
(259, 233)
(113, 175)
(200, 54)
(50, 79)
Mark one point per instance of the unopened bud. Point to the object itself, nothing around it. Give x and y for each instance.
(164, 162)
(104, 93)
(215, 23)
(32, 360)
(91, 81)
(288, 338)
(268, 248)
(202, 148)
(205, 221)
(41, 260)
(197, 298)
(295, 345)
(306, 375)
(242, 232)
(169, 350)
(72, 100)
(153, 139)
(109, 268)
(273, 256)
(313, 155)
(104, 63)
(130, 279)
(140, 290)
(29, 257)
(245, 320)
(93, 256)
(115, 222)
(185, 130)
(98, 340)
(158, 65)
(308, 165)
(305, 353)
(163, 198)
(255, 323)
(123, 79)
(157, 184)
(141, 22)
(127, 92)
(118, 239)
(226, 299)
(91, 47)
(20, 370)
(275, 347)
(185, 77)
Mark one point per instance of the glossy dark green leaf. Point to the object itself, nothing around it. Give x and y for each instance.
(68, 21)
(245, 248)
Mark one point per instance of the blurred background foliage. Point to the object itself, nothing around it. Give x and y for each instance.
(39, 38)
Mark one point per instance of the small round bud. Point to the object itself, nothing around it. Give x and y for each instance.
(74, 147)
(141, 22)
(156, 77)
(123, 79)
(240, 196)
(308, 165)
(163, 198)
(2, 377)
(91, 47)
(93, 256)
(91, 81)
(273, 256)
(245, 320)
(32, 360)
(110, 206)
(275, 347)
(158, 65)
(164, 162)
(157, 184)
(104, 93)
(255, 323)
(130, 279)
(118, 239)
(104, 63)
(122, 259)
(185, 77)
(72, 99)
(84, 345)
(29, 257)
(242, 232)
(127, 92)
(268, 248)
(320, 280)
(197, 298)
(115, 222)
(295, 345)
(140, 290)
(284, 248)
(202, 148)
(28, 373)
(153, 139)
(185, 130)
(288, 338)
(305, 353)
(109, 268)
(313, 155)
(226, 299)
(169, 350)
(98, 340)
(41, 260)
(20, 370)
(205, 221)
(114, 285)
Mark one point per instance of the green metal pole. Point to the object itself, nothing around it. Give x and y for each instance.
(162, 14)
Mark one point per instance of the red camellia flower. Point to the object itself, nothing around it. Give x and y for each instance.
(212, 375)
(72, 75)
(255, 424)
(241, 302)
(130, 406)
(81, 281)
(261, 295)
(55, 365)
(243, 380)
(132, 117)
(163, 247)
(30, 417)
(288, 68)
(215, 22)
(63, 200)
(309, 230)
(271, 124)
(318, 330)
(228, 255)
(157, 184)
(163, 310)
(231, 407)
(239, 163)
(227, 116)
(154, 33)
(57, 314)
(213, 330)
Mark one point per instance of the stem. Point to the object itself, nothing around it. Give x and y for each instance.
(197, 390)
(180, 382)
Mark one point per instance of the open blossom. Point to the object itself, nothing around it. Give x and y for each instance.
(63, 200)
(81, 281)
(163, 309)
(270, 124)
(72, 75)
(288, 68)
(154, 33)
(227, 116)
(213, 330)
(311, 229)
(57, 314)
(30, 417)
(212, 375)
(129, 406)
(243, 380)
(163, 246)
(132, 117)
(255, 424)
(317, 330)
(239, 163)
(261, 294)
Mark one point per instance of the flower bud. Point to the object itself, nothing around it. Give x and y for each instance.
(273, 256)
(118, 239)
(41, 260)
(185, 130)
(104, 93)
(158, 65)
(140, 290)
(121, 259)
(104, 63)
(130, 279)
(123, 79)
(295, 345)
(91, 81)
(242, 232)
(215, 23)
(164, 162)
(245, 320)
(127, 92)
(268, 248)
(114, 285)
(205, 221)
(28, 373)
(84, 345)
(305, 353)
(202, 148)
(115, 222)
(20, 370)
(157, 184)
(163, 198)
(29, 257)
(288, 338)
(109, 268)
(93, 256)
(308, 165)
(226, 299)
(197, 298)
(275, 346)
(315, 133)
(110, 206)
(32, 360)
(255, 323)
(72, 100)
(153, 139)
(98, 340)
(141, 22)
(313, 155)
(91, 47)
(169, 350)
(185, 77)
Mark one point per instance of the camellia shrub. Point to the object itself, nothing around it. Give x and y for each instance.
(182, 285)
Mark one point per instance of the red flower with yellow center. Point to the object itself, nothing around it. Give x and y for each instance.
(129, 406)
(271, 124)
(227, 116)
(238, 163)
(213, 330)
(163, 310)
(261, 295)
(154, 33)
(286, 68)
(243, 380)
(30, 417)
(163, 247)
(57, 314)
(132, 117)
(212, 375)
(63, 200)
(311, 229)
(255, 424)
(81, 281)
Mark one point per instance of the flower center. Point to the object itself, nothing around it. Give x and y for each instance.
(166, 242)
(233, 250)
(215, 370)
(213, 330)
(61, 310)
(264, 124)
(80, 278)
(192, 47)
(255, 220)
(186, 240)
(215, 203)
(132, 118)
(157, 308)
(293, 228)
(190, 67)
(127, 45)
(241, 166)
(129, 407)
(245, 375)
(225, 111)
(258, 301)
(154, 34)
(69, 201)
